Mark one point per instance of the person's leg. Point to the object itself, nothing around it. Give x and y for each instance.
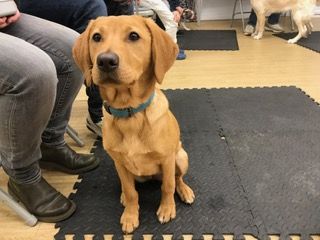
(57, 41)
(273, 23)
(249, 29)
(74, 14)
(252, 18)
(116, 8)
(274, 18)
(94, 103)
(28, 84)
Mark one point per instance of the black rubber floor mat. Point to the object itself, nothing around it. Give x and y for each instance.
(220, 206)
(274, 138)
(254, 166)
(208, 40)
(312, 42)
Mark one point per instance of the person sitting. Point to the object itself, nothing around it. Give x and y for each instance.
(169, 14)
(271, 25)
(38, 83)
(76, 14)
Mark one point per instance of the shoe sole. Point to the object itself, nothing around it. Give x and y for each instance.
(272, 30)
(57, 167)
(54, 219)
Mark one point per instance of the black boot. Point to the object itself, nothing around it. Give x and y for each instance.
(66, 160)
(42, 200)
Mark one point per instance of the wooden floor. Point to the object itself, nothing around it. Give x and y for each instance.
(267, 62)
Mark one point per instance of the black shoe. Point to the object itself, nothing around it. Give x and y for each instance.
(42, 200)
(66, 160)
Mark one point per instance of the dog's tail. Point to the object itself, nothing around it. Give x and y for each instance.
(318, 2)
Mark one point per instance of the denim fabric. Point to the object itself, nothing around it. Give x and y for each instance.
(119, 8)
(76, 14)
(272, 19)
(38, 84)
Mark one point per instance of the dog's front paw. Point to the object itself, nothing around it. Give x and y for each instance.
(185, 192)
(129, 220)
(166, 212)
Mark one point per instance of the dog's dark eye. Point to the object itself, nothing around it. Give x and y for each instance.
(96, 37)
(133, 36)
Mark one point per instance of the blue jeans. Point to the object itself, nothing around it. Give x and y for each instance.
(38, 83)
(76, 14)
(272, 19)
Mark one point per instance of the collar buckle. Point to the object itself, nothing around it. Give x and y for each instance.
(130, 111)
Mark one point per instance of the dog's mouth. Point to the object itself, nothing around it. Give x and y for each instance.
(111, 78)
(118, 76)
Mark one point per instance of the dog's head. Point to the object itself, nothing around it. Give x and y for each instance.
(188, 14)
(124, 50)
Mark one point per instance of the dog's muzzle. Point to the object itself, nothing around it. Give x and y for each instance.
(108, 62)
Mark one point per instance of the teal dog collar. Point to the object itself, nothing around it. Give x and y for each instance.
(127, 112)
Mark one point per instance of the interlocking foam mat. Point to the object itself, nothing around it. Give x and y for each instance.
(208, 40)
(312, 42)
(254, 167)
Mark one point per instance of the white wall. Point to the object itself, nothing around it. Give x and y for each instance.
(222, 9)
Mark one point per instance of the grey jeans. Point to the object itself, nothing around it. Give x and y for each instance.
(38, 84)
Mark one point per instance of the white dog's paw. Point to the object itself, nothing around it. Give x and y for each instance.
(257, 37)
(292, 41)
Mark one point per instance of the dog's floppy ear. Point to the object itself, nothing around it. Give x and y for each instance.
(164, 50)
(81, 54)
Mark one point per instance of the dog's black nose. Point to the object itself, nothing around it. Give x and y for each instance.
(108, 62)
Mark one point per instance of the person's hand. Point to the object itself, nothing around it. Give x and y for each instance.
(3, 22)
(6, 21)
(176, 16)
(180, 10)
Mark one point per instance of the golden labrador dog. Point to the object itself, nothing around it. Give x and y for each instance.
(301, 11)
(126, 57)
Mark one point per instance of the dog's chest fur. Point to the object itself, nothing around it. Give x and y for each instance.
(143, 141)
(135, 150)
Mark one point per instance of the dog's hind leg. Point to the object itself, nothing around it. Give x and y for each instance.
(309, 26)
(184, 191)
(298, 18)
(167, 208)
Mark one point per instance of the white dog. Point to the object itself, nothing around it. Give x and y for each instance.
(301, 11)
